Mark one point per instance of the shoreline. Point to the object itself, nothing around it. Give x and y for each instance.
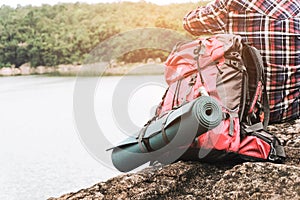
(97, 69)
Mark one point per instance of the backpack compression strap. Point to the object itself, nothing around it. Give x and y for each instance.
(258, 61)
(277, 152)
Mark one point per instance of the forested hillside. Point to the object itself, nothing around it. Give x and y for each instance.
(66, 33)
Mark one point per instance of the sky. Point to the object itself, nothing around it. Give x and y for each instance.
(14, 3)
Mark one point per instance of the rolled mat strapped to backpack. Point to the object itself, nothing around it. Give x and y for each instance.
(200, 115)
(215, 108)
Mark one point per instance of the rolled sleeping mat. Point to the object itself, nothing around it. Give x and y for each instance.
(187, 122)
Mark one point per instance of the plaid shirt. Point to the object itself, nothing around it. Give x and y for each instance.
(273, 27)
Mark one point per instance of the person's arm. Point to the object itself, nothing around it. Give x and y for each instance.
(209, 19)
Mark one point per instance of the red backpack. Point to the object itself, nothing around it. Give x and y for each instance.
(231, 72)
(215, 109)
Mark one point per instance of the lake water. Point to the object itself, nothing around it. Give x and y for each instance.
(41, 153)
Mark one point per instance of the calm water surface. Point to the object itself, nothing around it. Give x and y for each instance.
(41, 154)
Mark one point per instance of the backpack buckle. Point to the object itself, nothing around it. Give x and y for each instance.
(272, 155)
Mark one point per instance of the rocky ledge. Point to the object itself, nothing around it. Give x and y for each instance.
(193, 180)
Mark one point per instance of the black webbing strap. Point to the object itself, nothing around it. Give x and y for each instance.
(277, 152)
(141, 138)
(164, 135)
(163, 132)
(159, 107)
(232, 115)
(234, 63)
(200, 50)
(254, 128)
(266, 107)
(176, 93)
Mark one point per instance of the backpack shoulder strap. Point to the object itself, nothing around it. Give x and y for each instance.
(255, 67)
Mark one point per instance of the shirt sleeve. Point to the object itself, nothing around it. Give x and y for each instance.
(209, 19)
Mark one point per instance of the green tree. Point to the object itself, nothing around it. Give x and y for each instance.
(68, 33)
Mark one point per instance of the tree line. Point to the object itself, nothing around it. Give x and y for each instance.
(67, 33)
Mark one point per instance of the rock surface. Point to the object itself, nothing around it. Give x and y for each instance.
(193, 180)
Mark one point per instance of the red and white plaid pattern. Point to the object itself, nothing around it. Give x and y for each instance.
(273, 27)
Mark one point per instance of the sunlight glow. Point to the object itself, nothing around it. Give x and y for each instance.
(14, 3)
